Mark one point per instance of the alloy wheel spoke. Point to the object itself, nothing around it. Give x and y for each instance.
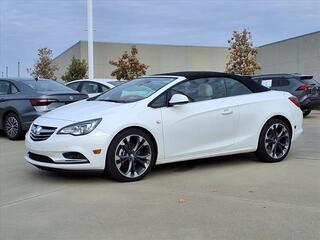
(147, 156)
(139, 145)
(281, 132)
(285, 135)
(123, 159)
(274, 152)
(141, 161)
(133, 169)
(129, 169)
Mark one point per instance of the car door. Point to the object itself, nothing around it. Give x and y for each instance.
(4, 93)
(203, 127)
(251, 107)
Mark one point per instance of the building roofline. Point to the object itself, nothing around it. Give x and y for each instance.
(79, 42)
(288, 39)
(155, 44)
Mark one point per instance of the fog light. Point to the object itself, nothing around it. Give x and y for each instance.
(73, 155)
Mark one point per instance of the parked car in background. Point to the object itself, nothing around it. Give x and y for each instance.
(304, 87)
(95, 86)
(166, 118)
(23, 100)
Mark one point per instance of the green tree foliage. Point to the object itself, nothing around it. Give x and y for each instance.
(76, 70)
(242, 54)
(128, 66)
(44, 67)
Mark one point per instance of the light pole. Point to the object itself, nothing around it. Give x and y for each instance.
(90, 39)
(7, 71)
(18, 69)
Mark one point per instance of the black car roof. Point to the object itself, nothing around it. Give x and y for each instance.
(287, 75)
(190, 75)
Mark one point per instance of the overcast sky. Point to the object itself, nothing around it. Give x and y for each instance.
(26, 25)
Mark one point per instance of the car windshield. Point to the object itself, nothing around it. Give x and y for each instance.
(47, 86)
(134, 90)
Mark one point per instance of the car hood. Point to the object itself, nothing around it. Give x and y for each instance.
(86, 110)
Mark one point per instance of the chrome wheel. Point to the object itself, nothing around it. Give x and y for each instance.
(133, 156)
(12, 126)
(277, 140)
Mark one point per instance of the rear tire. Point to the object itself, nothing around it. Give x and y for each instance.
(306, 112)
(131, 156)
(13, 127)
(274, 141)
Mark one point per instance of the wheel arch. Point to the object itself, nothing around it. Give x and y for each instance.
(146, 131)
(283, 118)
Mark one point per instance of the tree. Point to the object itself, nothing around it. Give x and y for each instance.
(44, 67)
(128, 66)
(76, 70)
(242, 54)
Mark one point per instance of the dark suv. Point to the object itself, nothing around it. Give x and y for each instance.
(304, 87)
(23, 100)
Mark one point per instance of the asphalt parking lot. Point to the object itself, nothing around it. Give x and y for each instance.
(233, 197)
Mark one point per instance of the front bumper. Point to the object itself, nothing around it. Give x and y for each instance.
(312, 103)
(50, 153)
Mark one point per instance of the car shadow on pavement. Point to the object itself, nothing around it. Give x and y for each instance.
(163, 169)
(185, 166)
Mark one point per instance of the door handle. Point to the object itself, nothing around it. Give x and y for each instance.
(226, 111)
(1, 99)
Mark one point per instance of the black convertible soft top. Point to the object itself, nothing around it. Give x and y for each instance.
(190, 75)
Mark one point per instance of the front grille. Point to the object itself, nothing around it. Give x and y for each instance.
(40, 158)
(41, 133)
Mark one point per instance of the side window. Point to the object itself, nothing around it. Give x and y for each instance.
(280, 82)
(103, 88)
(257, 80)
(89, 87)
(13, 89)
(160, 101)
(74, 86)
(283, 82)
(4, 88)
(235, 88)
(201, 89)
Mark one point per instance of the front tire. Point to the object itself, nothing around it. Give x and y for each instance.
(131, 156)
(274, 141)
(12, 127)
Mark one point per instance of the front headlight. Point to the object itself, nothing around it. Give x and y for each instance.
(81, 128)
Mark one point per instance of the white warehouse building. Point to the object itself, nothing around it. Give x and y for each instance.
(299, 54)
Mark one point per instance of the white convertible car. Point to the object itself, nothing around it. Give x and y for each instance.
(166, 118)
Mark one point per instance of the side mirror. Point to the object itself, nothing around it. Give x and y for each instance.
(178, 99)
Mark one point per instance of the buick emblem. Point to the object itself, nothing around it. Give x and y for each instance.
(36, 130)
